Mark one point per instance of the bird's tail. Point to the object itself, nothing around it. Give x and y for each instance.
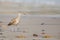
(9, 24)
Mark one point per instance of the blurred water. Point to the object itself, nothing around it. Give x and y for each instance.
(30, 6)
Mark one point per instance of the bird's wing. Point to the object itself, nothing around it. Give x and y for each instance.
(12, 22)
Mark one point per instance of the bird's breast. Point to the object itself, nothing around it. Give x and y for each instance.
(16, 22)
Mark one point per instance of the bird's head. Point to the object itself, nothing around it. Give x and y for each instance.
(19, 14)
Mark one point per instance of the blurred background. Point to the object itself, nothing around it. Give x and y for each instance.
(30, 6)
(10, 8)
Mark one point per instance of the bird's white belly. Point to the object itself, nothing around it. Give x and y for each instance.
(16, 22)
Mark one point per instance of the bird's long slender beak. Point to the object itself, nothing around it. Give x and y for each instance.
(26, 13)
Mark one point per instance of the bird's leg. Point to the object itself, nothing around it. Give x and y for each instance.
(16, 24)
(17, 27)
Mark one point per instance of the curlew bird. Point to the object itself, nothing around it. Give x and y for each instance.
(16, 20)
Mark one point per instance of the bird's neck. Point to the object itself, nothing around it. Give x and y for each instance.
(19, 16)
